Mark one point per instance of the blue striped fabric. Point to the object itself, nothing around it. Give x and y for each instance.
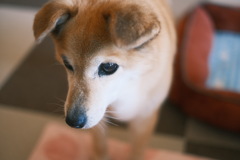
(224, 62)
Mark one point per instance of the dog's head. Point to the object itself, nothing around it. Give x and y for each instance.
(100, 45)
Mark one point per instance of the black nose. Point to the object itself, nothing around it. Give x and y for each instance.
(76, 118)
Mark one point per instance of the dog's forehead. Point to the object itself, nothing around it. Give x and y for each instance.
(86, 33)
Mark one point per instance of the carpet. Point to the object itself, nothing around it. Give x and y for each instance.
(60, 143)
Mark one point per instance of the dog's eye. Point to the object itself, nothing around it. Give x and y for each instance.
(67, 64)
(106, 69)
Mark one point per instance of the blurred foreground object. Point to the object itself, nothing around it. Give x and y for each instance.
(59, 142)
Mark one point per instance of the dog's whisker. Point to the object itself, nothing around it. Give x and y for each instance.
(56, 104)
(107, 111)
(60, 100)
(114, 124)
(101, 127)
(57, 107)
(109, 122)
(114, 118)
(109, 114)
(59, 114)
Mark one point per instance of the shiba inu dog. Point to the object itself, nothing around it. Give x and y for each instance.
(119, 58)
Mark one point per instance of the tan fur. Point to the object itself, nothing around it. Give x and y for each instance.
(137, 35)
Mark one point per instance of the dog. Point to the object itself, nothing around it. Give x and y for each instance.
(118, 56)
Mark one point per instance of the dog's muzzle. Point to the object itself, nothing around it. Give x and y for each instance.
(76, 117)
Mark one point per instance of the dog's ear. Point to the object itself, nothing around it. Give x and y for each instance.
(51, 18)
(131, 26)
